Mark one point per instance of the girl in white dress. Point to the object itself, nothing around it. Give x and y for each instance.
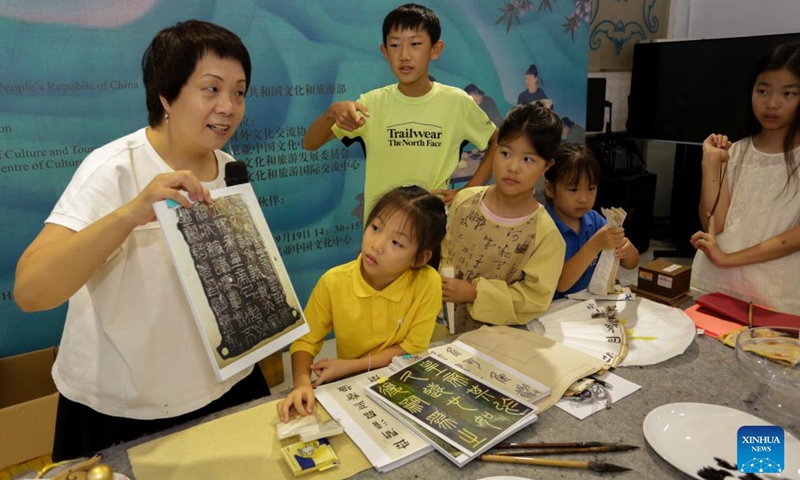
(750, 197)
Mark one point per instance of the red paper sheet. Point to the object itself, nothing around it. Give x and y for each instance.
(713, 325)
(737, 310)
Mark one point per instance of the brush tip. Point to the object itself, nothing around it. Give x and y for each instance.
(603, 467)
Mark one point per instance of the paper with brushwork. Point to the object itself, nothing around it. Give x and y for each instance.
(234, 279)
(458, 408)
(551, 363)
(589, 328)
(605, 272)
(486, 368)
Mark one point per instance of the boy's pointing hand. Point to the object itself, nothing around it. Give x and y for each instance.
(349, 115)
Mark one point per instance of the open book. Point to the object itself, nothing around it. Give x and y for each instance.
(505, 362)
(555, 365)
(467, 414)
(484, 367)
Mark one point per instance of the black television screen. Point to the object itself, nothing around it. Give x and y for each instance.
(684, 90)
(595, 104)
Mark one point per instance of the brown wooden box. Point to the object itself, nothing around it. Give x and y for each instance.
(665, 279)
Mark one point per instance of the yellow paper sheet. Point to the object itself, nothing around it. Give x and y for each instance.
(241, 445)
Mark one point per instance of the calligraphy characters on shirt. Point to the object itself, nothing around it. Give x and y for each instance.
(487, 250)
(502, 250)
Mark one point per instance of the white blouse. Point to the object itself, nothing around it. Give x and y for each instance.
(762, 206)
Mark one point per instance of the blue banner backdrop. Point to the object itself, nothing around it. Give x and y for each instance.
(71, 81)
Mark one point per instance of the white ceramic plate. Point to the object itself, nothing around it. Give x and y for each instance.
(690, 435)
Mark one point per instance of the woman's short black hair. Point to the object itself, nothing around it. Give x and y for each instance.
(173, 54)
(473, 89)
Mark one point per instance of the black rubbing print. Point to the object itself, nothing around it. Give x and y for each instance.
(238, 276)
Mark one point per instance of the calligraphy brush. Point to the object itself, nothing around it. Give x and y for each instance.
(601, 467)
(562, 450)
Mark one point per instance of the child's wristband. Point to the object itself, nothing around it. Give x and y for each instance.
(369, 367)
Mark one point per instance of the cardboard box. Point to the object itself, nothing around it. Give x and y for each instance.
(670, 302)
(664, 279)
(28, 402)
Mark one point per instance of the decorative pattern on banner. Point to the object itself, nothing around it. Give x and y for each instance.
(616, 25)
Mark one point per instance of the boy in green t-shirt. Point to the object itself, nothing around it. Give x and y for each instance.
(412, 131)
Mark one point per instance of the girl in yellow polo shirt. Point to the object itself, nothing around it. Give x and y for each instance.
(382, 304)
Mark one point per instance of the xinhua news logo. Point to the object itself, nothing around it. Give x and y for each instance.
(760, 449)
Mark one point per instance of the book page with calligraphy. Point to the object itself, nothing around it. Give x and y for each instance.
(385, 441)
(457, 407)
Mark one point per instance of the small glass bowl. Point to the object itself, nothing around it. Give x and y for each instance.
(776, 385)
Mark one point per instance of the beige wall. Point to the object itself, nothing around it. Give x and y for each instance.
(618, 24)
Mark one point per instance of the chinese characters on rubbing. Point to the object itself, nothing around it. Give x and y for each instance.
(238, 276)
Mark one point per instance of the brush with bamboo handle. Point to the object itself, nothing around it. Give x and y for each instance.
(601, 467)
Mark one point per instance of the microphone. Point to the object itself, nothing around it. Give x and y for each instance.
(236, 173)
